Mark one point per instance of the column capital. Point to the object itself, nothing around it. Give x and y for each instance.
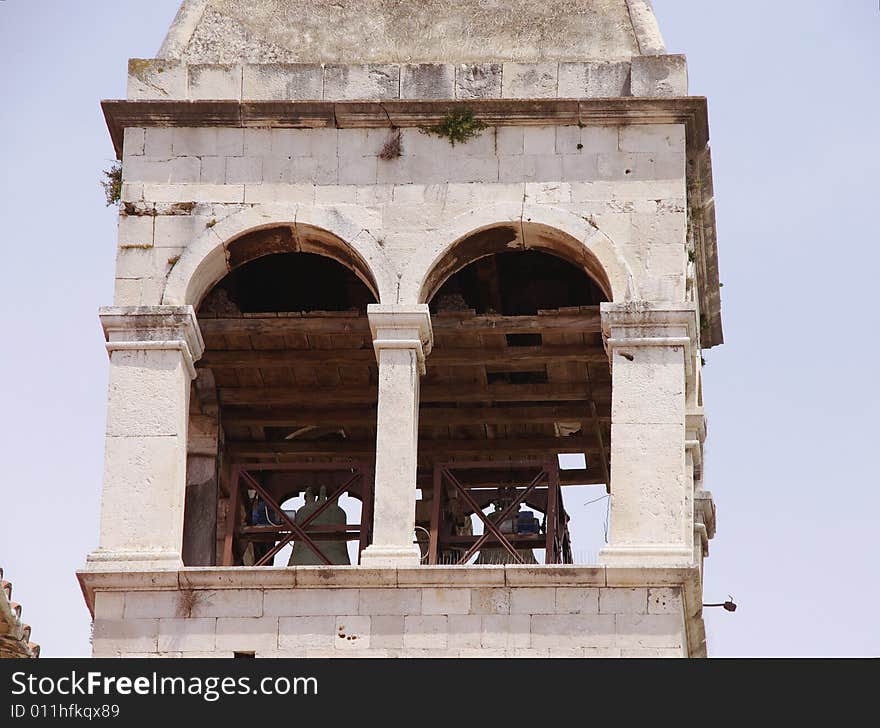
(402, 327)
(153, 327)
(640, 323)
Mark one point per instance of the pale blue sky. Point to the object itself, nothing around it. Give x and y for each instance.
(792, 397)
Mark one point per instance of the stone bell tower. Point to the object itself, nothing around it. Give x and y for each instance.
(380, 263)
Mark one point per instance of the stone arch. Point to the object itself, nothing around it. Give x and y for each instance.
(511, 226)
(256, 232)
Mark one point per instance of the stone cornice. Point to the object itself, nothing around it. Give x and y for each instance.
(688, 110)
(154, 328)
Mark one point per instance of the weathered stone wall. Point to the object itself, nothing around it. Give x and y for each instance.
(466, 612)
(182, 185)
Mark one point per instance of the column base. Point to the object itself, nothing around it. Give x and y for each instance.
(378, 557)
(668, 555)
(134, 559)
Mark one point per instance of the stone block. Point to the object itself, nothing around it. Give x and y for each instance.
(427, 81)
(510, 140)
(652, 138)
(247, 634)
(194, 141)
(257, 142)
(506, 631)
(132, 192)
(352, 633)
(539, 140)
(109, 605)
(193, 193)
(135, 231)
(555, 631)
(153, 604)
(653, 382)
(228, 603)
(343, 576)
(422, 632)
(174, 170)
(619, 600)
(652, 653)
(230, 142)
(465, 630)
(282, 82)
(598, 139)
(577, 600)
(177, 231)
(594, 80)
(133, 142)
(649, 630)
(534, 600)
(158, 142)
(112, 637)
(341, 194)
(452, 576)
(656, 76)
(275, 193)
(664, 600)
(390, 601)
(309, 602)
(243, 170)
(579, 167)
(529, 80)
(386, 632)
(358, 170)
(478, 81)
(349, 82)
(446, 601)
(295, 633)
(213, 171)
(187, 635)
(490, 601)
(156, 78)
(214, 81)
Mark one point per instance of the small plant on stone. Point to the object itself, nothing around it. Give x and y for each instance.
(112, 183)
(458, 127)
(392, 148)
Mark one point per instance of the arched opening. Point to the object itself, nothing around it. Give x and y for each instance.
(517, 383)
(282, 421)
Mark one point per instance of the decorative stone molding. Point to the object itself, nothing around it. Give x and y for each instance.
(154, 328)
(640, 323)
(402, 327)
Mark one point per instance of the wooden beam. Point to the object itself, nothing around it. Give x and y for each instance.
(430, 448)
(492, 478)
(435, 416)
(586, 321)
(268, 358)
(430, 392)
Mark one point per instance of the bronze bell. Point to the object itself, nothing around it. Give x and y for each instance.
(499, 554)
(336, 551)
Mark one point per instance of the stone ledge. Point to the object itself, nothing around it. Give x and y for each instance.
(644, 76)
(688, 110)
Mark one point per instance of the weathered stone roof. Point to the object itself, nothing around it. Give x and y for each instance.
(410, 31)
(14, 635)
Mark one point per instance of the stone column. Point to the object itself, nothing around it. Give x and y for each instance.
(402, 339)
(152, 351)
(651, 349)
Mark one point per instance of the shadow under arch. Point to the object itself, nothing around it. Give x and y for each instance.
(511, 237)
(247, 236)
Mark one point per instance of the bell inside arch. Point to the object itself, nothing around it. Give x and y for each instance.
(336, 551)
(518, 522)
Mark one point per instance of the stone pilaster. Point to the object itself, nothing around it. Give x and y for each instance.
(152, 352)
(652, 349)
(402, 339)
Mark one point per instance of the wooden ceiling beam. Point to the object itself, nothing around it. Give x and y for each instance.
(458, 357)
(585, 321)
(431, 416)
(430, 392)
(432, 448)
